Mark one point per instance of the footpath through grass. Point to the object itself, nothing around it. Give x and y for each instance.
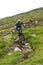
(35, 37)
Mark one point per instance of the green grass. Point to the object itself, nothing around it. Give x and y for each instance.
(37, 46)
(5, 45)
(12, 59)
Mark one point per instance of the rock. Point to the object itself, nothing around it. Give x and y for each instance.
(27, 51)
(33, 35)
(7, 36)
(17, 40)
(17, 49)
(9, 53)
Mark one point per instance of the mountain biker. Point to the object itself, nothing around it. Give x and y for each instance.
(19, 25)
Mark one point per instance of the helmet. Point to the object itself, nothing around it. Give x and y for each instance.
(18, 20)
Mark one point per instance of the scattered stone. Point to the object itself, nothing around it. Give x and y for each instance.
(25, 48)
(9, 53)
(7, 36)
(34, 35)
(16, 40)
(17, 49)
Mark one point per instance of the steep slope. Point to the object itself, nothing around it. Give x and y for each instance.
(36, 41)
(33, 35)
(9, 22)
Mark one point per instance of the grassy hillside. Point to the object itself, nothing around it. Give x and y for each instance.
(8, 22)
(37, 45)
(6, 38)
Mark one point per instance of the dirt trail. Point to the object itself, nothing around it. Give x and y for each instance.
(24, 48)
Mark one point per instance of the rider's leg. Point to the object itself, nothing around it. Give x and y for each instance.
(23, 37)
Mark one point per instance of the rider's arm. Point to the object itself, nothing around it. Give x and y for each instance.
(23, 24)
